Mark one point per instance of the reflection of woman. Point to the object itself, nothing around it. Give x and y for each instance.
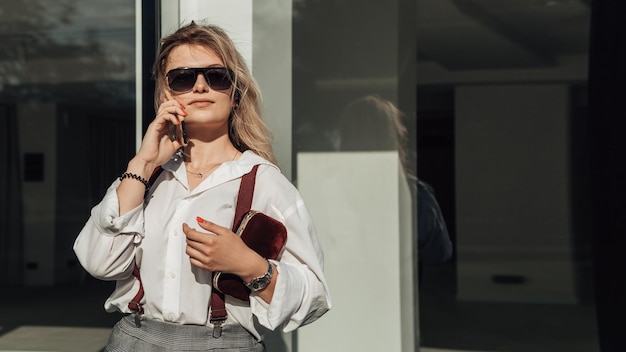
(372, 123)
(177, 231)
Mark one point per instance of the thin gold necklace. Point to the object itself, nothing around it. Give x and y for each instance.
(201, 173)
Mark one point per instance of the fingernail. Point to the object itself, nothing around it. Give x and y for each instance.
(199, 219)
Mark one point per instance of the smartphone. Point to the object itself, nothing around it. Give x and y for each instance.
(177, 132)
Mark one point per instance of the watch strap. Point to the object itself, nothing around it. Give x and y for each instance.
(261, 282)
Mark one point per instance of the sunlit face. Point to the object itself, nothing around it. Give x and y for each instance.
(203, 104)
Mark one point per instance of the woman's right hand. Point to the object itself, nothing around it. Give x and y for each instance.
(156, 146)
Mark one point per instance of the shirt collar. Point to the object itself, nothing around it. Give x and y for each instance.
(228, 171)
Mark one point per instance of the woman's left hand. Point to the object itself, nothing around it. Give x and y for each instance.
(222, 250)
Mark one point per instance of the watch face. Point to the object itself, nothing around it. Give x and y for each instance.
(259, 283)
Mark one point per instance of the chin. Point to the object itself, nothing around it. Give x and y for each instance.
(199, 122)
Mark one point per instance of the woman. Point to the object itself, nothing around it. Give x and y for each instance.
(176, 231)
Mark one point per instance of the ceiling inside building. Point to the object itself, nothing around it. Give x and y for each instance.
(495, 34)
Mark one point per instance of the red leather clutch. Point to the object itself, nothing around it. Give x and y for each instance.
(266, 236)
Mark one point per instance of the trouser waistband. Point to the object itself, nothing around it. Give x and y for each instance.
(187, 337)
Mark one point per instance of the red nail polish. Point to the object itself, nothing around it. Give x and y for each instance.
(199, 219)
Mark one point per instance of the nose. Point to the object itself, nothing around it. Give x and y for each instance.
(201, 84)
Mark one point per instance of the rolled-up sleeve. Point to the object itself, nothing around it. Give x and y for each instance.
(105, 246)
(301, 294)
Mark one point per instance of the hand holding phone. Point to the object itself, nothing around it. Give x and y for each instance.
(176, 132)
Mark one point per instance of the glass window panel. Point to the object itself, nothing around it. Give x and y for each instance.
(67, 106)
(354, 143)
(499, 129)
(501, 136)
(501, 106)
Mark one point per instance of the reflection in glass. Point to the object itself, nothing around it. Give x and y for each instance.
(67, 99)
(501, 102)
(371, 123)
(361, 198)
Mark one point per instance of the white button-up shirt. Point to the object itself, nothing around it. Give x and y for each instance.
(151, 236)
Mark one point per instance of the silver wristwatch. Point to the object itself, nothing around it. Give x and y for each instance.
(261, 282)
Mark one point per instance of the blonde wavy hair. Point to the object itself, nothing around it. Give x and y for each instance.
(247, 130)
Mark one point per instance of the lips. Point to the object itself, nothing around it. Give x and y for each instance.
(201, 102)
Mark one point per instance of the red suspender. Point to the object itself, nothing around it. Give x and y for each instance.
(135, 304)
(244, 202)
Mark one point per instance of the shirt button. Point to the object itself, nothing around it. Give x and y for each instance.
(172, 275)
(170, 317)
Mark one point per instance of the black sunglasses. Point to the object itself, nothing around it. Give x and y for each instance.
(183, 79)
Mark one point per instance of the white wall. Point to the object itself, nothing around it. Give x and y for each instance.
(361, 203)
(272, 66)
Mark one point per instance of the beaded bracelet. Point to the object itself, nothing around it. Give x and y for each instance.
(136, 177)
